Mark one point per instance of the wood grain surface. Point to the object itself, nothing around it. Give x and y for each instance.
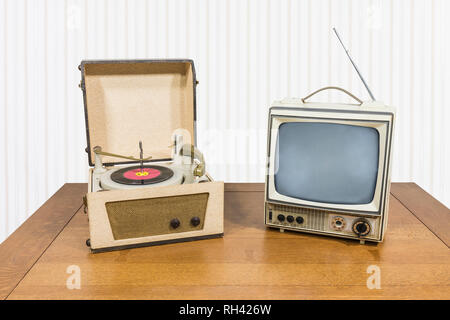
(250, 262)
(23, 248)
(427, 209)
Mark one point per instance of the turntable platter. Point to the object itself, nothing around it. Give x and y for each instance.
(146, 175)
(136, 177)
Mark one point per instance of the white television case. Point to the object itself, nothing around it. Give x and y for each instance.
(321, 218)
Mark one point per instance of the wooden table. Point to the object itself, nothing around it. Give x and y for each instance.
(250, 262)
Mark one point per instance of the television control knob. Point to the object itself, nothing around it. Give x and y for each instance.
(338, 223)
(361, 227)
(299, 220)
(281, 217)
(290, 219)
(175, 223)
(195, 221)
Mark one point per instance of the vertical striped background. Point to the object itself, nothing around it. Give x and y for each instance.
(247, 53)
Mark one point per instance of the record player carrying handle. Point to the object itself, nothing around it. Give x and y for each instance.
(335, 88)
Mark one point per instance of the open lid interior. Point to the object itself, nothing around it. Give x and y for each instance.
(131, 101)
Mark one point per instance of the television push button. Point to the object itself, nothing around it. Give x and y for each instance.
(290, 219)
(281, 218)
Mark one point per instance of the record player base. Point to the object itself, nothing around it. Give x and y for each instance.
(249, 262)
(157, 243)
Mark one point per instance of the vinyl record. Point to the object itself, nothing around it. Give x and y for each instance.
(136, 175)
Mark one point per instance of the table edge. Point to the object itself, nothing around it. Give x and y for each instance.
(427, 209)
(59, 210)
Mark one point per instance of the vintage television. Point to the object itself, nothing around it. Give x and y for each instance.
(329, 166)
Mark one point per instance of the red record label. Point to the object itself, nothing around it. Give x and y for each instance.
(144, 174)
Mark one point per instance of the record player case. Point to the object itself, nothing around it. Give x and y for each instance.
(126, 101)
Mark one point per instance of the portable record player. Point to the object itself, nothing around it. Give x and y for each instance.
(147, 182)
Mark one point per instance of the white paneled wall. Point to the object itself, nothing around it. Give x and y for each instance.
(247, 53)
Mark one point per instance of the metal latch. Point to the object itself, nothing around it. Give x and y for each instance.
(81, 85)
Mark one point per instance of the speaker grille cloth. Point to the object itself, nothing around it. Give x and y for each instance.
(149, 217)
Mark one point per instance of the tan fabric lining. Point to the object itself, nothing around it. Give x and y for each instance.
(129, 102)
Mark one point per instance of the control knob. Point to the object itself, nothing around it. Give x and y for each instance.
(175, 223)
(361, 227)
(195, 221)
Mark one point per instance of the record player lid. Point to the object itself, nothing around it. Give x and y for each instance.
(128, 101)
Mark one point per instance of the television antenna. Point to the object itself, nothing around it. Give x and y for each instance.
(354, 65)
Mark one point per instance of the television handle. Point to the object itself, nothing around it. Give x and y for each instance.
(335, 88)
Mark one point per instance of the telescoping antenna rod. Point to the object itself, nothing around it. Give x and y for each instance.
(354, 65)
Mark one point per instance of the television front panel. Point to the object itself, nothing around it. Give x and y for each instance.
(329, 168)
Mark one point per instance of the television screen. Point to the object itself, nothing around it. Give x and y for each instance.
(327, 162)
